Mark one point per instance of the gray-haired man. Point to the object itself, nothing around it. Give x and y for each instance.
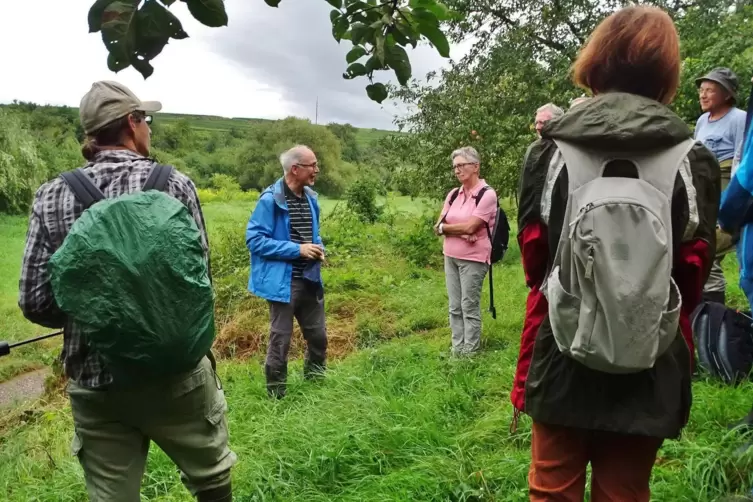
(286, 254)
(546, 113)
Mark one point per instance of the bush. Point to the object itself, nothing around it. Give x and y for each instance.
(419, 244)
(361, 198)
(226, 189)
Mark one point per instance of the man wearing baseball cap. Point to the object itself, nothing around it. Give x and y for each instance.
(183, 414)
(722, 129)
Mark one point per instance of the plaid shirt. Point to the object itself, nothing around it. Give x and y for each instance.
(115, 172)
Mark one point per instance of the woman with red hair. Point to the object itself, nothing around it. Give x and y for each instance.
(614, 420)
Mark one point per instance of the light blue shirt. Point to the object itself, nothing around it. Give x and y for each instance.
(724, 136)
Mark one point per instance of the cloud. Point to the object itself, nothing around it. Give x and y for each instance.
(267, 63)
(292, 50)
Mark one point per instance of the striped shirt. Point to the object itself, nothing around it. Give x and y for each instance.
(55, 209)
(301, 226)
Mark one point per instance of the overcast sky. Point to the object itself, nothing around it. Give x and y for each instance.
(267, 63)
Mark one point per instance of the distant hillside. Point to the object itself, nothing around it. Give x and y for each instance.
(364, 137)
(213, 123)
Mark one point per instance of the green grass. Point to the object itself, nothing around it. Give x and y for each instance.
(396, 418)
(14, 326)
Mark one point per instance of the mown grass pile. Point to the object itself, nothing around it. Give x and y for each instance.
(396, 418)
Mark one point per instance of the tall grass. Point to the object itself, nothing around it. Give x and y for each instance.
(396, 418)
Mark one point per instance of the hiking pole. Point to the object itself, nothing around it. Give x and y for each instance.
(5, 346)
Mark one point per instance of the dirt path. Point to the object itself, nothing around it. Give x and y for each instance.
(23, 388)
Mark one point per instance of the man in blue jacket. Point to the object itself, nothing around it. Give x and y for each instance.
(286, 255)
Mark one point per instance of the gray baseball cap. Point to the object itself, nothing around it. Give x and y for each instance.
(724, 77)
(108, 101)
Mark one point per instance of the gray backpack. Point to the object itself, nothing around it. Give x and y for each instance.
(613, 305)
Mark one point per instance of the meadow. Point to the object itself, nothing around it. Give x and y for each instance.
(396, 417)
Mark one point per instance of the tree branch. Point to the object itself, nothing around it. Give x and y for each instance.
(552, 44)
(576, 32)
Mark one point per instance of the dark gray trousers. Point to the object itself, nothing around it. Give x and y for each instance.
(307, 306)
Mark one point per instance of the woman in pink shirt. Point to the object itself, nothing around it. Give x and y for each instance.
(467, 248)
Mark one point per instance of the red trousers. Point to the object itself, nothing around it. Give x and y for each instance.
(621, 465)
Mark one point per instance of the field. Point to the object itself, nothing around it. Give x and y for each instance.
(395, 419)
(364, 137)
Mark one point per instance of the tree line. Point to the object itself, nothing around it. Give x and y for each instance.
(39, 142)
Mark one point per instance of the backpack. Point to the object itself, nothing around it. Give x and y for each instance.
(499, 237)
(613, 304)
(132, 274)
(724, 341)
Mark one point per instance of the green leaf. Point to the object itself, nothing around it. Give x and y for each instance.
(356, 70)
(357, 32)
(398, 60)
(423, 16)
(118, 32)
(334, 15)
(377, 92)
(208, 12)
(379, 47)
(337, 4)
(95, 14)
(373, 64)
(355, 53)
(154, 26)
(340, 27)
(356, 6)
(436, 37)
(401, 38)
(117, 62)
(143, 67)
(273, 3)
(439, 9)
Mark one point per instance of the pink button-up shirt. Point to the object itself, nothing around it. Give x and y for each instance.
(464, 206)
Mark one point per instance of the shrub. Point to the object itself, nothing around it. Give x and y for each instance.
(419, 244)
(361, 198)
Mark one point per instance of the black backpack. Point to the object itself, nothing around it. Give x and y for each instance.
(724, 341)
(499, 237)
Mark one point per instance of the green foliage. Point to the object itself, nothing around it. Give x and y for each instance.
(521, 62)
(135, 32)
(244, 150)
(258, 163)
(22, 168)
(361, 198)
(225, 188)
(419, 244)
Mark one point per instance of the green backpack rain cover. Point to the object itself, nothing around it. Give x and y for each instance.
(132, 275)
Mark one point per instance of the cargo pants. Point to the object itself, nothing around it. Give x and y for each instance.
(715, 288)
(183, 415)
(307, 307)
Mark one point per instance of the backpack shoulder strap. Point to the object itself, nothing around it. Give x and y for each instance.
(158, 178)
(452, 199)
(82, 187)
(481, 193)
(454, 195)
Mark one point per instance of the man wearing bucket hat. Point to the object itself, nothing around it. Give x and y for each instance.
(722, 129)
(182, 412)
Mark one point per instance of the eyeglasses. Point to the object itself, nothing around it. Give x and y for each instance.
(460, 166)
(313, 165)
(140, 116)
